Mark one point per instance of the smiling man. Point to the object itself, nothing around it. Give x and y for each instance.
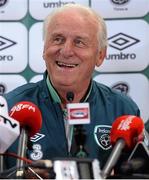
(72, 49)
(75, 41)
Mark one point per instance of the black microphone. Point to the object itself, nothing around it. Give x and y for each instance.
(70, 96)
(131, 166)
(140, 152)
(78, 114)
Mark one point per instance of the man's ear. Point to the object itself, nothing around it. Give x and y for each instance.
(43, 53)
(101, 56)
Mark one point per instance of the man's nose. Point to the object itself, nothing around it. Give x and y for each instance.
(67, 49)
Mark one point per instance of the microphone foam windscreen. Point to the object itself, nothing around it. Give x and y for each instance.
(28, 115)
(128, 127)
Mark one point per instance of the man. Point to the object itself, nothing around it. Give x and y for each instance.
(75, 41)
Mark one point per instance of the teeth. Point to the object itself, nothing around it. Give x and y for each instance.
(66, 65)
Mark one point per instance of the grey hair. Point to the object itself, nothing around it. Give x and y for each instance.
(102, 30)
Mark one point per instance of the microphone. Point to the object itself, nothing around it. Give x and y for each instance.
(140, 152)
(70, 96)
(146, 138)
(126, 131)
(30, 119)
(78, 114)
(133, 165)
(9, 127)
(3, 106)
(9, 130)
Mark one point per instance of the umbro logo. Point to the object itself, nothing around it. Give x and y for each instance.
(122, 41)
(120, 2)
(5, 43)
(2, 89)
(121, 87)
(37, 137)
(3, 2)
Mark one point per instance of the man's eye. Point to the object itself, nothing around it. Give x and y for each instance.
(79, 43)
(58, 40)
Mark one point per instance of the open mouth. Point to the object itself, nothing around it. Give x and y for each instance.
(66, 65)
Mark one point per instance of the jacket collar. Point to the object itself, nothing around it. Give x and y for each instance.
(55, 96)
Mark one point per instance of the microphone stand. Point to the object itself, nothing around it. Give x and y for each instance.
(1, 163)
(22, 147)
(84, 168)
(79, 133)
(80, 138)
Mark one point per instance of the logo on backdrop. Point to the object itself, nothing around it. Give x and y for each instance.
(5, 43)
(122, 41)
(2, 89)
(55, 4)
(121, 87)
(3, 2)
(120, 2)
(102, 137)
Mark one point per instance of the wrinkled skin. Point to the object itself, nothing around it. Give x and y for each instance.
(71, 52)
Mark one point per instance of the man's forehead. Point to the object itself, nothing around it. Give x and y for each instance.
(72, 14)
(73, 20)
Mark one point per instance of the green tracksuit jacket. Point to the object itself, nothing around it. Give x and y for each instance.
(105, 106)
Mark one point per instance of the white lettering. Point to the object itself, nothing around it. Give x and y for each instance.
(125, 124)
(22, 106)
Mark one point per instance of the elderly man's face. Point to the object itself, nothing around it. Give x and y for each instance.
(71, 49)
